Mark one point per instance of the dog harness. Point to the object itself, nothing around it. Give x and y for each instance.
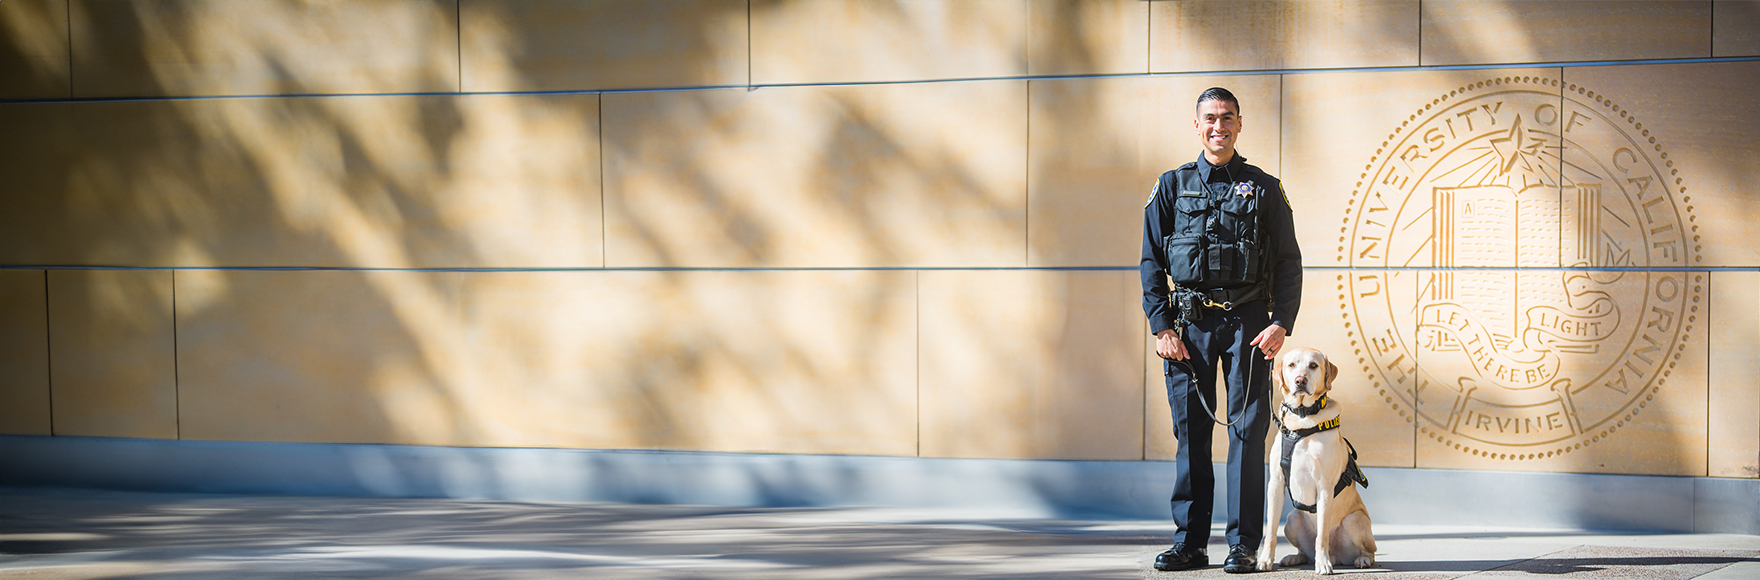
(1351, 473)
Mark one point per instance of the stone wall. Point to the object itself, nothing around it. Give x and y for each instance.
(862, 227)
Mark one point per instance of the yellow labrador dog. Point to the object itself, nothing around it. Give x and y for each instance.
(1318, 468)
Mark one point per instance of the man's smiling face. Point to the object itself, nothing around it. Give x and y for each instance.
(1218, 124)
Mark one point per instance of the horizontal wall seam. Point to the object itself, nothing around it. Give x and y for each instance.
(864, 269)
(753, 87)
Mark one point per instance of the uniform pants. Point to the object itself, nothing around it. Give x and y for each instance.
(1220, 341)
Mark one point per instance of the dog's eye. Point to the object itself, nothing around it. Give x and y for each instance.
(1313, 365)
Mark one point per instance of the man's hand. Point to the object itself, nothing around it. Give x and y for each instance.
(1169, 345)
(1270, 340)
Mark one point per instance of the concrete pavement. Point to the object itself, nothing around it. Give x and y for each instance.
(60, 533)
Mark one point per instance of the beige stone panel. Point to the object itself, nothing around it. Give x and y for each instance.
(445, 181)
(1704, 155)
(767, 362)
(1735, 28)
(24, 353)
(522, 184)
(222, 182)
(1734, 422)
(1069, 37)
(854, 176)
(1369, 156)
(1522, 31)
(522, 45)
(1377, 310)
(391, 182)
(34, 57)
(1031, 364)
(1626, 393)
(36, 155)
(112, 351)
(717, 361)
(1347, 315)
(322, 356)
(1098, 145)
(259, 47)
(840, 41)
(169, 183)
(1209, 35)
(1159, 442)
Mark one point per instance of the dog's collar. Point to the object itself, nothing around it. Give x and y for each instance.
(1294, 435)
(1307, 410)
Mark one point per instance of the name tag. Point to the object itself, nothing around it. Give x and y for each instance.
(1190, 193)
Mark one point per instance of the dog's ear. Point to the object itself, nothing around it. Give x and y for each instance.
(1331, 373)
(1277, 372)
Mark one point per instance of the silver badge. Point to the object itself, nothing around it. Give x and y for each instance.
(1245, 189)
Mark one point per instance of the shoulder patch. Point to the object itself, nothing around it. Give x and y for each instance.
(1152, 190)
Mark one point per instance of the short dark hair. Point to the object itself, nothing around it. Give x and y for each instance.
(1219, 94)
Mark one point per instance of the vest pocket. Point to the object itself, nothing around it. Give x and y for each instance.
(1185, 258)
(1194, 215)
(1236, 262)
(1237, 215)
(1250, 254)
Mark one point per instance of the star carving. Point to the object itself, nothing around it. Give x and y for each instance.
(1518, 152)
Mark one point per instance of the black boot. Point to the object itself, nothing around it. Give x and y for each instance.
(1180, 557)
(1239, 561)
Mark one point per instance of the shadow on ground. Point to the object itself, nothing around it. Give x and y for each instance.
(85, 534)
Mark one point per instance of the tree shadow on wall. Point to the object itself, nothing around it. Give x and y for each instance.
(767, 246)
(372, 202)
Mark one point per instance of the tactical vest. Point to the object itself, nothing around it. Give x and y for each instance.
(1216, 238)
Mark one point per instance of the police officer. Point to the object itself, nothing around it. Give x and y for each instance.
(1221, 275)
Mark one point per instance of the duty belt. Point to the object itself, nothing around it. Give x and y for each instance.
(1191, 302)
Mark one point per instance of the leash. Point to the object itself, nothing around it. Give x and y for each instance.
(1192, 377)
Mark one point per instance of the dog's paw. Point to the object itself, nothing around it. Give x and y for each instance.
(1323, 566)
(1293, 560)
(1266, 565)
(1367, 561)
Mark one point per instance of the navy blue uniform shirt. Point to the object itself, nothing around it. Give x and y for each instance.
(1276, 225)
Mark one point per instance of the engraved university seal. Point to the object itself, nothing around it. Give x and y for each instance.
(1518, 283)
